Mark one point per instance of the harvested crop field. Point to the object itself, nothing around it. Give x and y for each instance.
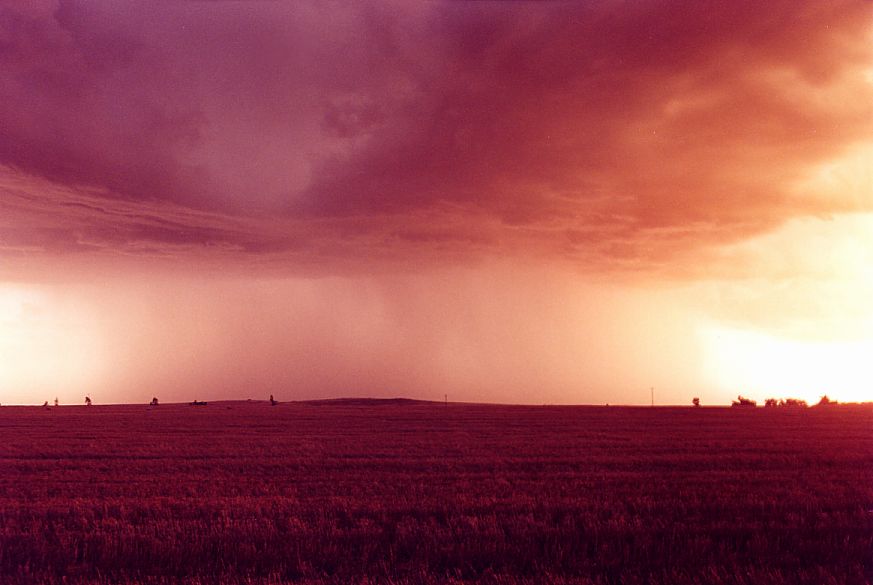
(414, 492)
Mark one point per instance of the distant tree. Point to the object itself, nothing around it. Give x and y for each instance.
(743, 402)
(273, 401)
(154, 401)
(695, 401)
(770, 403)
(87, 401)
(56, 401)
(793, 403)
(824, 401)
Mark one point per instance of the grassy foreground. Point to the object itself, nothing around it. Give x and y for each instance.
(401, 492)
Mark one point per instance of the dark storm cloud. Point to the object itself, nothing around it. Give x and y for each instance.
(618, 133)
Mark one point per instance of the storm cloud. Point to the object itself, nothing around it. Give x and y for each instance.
(610, 135)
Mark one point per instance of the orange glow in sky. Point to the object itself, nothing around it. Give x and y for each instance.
(502, 202)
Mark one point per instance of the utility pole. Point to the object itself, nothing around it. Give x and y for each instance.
(652, 390)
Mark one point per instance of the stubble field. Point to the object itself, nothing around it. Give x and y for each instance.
(402, 492)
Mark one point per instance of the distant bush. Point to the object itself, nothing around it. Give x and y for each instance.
(793, 402)
(743, 402)
(825, 401)
(785, 402)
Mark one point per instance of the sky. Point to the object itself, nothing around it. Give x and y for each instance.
(517, 202)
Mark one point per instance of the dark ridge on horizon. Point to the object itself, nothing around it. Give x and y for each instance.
(398, 401)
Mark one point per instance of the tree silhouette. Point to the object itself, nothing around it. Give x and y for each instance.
(740, 401)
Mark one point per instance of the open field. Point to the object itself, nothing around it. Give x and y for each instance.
(423, 493)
